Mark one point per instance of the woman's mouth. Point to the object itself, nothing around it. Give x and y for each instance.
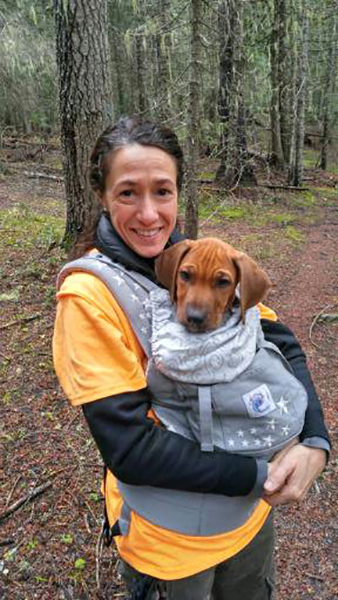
(147, 233)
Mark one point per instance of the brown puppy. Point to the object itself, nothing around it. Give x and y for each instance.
(202, 276)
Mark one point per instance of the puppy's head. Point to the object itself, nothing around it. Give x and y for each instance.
(202, 277)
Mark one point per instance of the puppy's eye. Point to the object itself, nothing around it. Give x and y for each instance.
(222, 283)
(184, 275)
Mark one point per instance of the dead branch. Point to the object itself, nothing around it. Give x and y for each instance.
(98, 554)
(21, 319)
(328, 307)
(329, 317)
(72, 421)
(7, 542)
(291, 188)
(315, 577)
(12, 490)
(25, 499)
(34, 175)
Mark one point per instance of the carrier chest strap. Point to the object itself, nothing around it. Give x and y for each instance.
(129, 288)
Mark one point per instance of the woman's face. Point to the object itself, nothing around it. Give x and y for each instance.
(141, 196)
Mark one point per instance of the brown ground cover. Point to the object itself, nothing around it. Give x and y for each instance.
(49, 544)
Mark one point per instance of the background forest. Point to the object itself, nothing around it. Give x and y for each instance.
(250, 86)
(243, 82)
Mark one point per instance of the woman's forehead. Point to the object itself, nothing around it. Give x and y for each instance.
(137, 159)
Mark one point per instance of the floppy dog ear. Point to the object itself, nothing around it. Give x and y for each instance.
(254, 282)
(167, 264)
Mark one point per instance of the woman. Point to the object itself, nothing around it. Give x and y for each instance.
(137, 172)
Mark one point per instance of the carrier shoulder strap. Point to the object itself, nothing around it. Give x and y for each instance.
(129, 288)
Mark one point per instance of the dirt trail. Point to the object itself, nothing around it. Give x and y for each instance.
(48, 547)
(304, 288)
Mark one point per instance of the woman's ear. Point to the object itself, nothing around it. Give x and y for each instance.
(167, 264)
(254, 282)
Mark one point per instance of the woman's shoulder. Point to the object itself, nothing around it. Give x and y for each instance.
(266, 312)
(81, 282)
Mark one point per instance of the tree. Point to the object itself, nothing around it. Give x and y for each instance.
(296, 156)
(162, 45)
(234, 167)
(277, 154)
(225, 79)
(328, 89)
(85, 99)
(191, 210)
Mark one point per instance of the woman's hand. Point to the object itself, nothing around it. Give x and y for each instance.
(292, 473)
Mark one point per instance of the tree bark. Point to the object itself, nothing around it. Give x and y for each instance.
(118, 63)
(162, 41)
(296, 170)
(225, 79)
(234, 167)
(328, 85)
(191, 209)
(85, 99)
(141, 73)
(277, 155)
(285, 78)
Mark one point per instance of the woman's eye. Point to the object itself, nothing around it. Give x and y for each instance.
(184, 275)
(163, 192)
(126, 193)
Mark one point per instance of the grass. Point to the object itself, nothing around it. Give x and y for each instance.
(24, 228)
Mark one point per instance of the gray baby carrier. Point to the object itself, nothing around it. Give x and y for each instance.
(257, 411)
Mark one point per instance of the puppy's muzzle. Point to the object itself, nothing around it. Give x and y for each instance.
(196, 319)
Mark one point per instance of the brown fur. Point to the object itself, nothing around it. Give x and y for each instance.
(202, 276)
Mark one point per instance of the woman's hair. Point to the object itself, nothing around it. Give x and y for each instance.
(132, 131)
(128, 130)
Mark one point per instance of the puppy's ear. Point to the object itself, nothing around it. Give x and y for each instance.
(167, 264)
(254, 282)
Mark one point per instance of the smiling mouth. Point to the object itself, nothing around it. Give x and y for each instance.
(147, 233)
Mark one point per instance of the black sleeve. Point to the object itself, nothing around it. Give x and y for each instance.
(140, 452)
(285, 340)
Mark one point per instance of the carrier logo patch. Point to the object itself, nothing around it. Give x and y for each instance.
(259, 402)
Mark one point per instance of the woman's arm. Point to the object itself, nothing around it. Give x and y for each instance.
(293, 472)
(140, 452)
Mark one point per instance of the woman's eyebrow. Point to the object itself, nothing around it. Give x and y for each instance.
(126, 182)
(165, 180)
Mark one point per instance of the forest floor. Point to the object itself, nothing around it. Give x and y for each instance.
(50, 501)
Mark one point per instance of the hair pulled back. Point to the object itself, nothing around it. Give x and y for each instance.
(132, 130)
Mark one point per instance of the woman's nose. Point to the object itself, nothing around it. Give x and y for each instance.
(147, 211)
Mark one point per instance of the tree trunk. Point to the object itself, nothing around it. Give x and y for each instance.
(328, 85)
(225, 79)
(85, 99)
(277, 156)
(141, 73)
(285, 78)
(233, 167)
(191, 209)
(118, 63)
(163, 110)
(296, 171)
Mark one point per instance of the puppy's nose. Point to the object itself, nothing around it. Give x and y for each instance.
(196, 316)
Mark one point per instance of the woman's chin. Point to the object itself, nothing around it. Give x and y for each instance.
(149, 248)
